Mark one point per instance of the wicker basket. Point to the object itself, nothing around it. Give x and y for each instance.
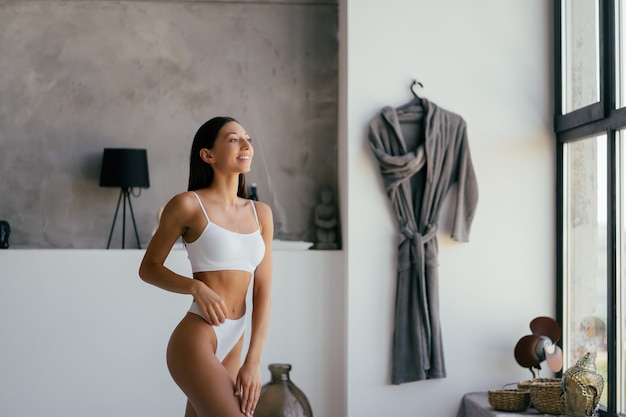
(509, 399)
(546, 397)
(526, 384)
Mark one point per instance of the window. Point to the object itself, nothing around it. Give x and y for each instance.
(585, 259)
(590, 126)
(581, 60)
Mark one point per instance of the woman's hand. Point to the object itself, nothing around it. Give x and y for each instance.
(248, 387)
(211, 305)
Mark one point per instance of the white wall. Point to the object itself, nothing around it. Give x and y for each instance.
(82, 334)
(490, 61)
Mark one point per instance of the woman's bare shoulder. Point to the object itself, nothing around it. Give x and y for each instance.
(182, 204)
(264, 213)
(262, 208)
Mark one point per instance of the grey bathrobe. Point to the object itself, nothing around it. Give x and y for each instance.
(417, 183)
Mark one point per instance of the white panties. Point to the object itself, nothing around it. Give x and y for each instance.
(227, 333)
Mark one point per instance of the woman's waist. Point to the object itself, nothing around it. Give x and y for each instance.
(227, 279)
(230, 286)
(233, 318)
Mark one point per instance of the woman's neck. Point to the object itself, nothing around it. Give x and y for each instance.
(225, 189)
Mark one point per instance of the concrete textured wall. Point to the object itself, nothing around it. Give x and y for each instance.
(80, 76)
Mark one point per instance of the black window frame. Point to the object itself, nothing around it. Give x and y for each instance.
(596, 119)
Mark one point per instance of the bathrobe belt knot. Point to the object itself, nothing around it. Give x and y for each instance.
(417, 241)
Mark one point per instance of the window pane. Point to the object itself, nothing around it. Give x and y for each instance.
(580, 54)
(585, 252)
(620, 45)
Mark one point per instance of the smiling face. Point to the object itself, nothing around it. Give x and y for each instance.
(232, 151)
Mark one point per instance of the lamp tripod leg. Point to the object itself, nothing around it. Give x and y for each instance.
(132, 215)
(119, 199)
(124, 220)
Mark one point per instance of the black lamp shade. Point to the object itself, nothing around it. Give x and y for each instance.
(125, 168)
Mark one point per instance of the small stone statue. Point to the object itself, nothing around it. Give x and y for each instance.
(325, 219)
(5, 232)
(582, 388)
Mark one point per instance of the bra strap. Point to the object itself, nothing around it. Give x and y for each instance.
(202, 207)
(255, 215)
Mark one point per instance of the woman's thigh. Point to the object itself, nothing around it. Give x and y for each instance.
(232, 361)
(194, 367)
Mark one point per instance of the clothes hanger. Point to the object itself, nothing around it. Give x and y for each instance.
(415, 105)
(413, 85)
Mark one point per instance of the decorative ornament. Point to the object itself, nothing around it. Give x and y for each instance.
(540, 346)
(280, 397)
(582, 388)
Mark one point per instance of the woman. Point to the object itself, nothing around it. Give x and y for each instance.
(228, 240)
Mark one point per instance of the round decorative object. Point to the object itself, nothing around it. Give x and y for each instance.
(582, 388)
(281, 397)
(541, 345)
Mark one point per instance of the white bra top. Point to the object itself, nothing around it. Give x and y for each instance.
(219, 249)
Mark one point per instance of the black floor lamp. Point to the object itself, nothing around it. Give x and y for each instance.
(124, 168)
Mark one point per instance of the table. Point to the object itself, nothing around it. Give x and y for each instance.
(476, 404)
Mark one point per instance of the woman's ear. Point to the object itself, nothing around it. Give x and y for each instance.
(206, 155)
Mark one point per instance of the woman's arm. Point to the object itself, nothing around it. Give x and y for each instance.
(174, 221)
(262, 288)
(249, 377)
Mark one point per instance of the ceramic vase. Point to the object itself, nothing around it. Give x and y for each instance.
(281, 397)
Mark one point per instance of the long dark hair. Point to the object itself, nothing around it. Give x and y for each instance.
(201, 173)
